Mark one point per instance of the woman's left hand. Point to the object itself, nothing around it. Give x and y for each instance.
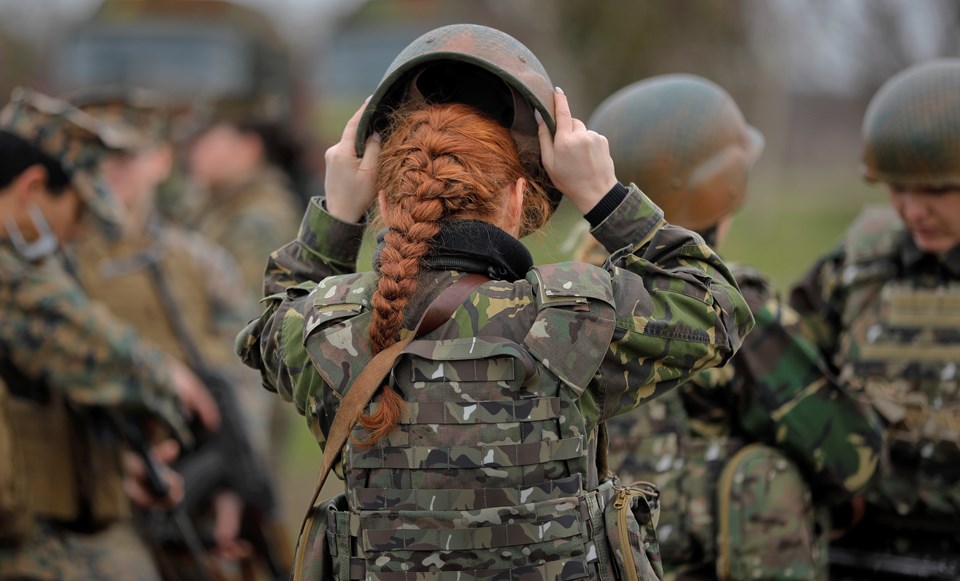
(350, 181)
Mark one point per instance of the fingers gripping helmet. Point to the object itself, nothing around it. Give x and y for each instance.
(911, 131)
(683, 141)
(476, 65)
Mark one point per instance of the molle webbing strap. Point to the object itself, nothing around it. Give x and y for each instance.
(458, 457)
(482, 412)
(560, 570)
(371, 378)
(469, 539)
(421, 499)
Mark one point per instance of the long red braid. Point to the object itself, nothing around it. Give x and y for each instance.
(439, 163)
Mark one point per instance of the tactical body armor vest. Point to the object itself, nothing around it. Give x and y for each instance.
(493, 472)
(901, 346)
(118, 274)
(67, 465)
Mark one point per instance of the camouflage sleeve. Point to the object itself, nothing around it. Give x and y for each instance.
(785, 396)
(324, 246)
(678, 308)
(51, 331)
(817, 298)
(274, 343)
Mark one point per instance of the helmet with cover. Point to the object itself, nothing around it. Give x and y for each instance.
(476, 65)
(683, 141)
(911, 131)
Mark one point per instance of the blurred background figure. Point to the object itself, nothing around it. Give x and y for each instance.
(183, 293)
(746, 486)
(802, 72)
(884, 308)
(70, 374)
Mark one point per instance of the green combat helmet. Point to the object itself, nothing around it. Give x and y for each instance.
(477, 65)
(911, 132)
(683, 141)
(74, 139)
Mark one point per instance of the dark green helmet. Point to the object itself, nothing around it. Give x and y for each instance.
(911, 132)
(683, 141)
(473, 64)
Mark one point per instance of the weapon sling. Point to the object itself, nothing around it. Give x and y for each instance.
(371, 378)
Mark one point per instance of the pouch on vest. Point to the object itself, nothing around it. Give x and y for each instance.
(14, 513)
(326, 540)
(631, 523)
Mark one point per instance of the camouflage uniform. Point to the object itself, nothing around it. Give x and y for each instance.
(66, 363)
(497, 470)
(251, 220)
(747, 456)
(885, 314)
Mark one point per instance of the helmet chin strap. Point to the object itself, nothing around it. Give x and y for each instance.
(46, 243)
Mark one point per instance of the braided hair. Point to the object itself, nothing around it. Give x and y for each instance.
(439, 163)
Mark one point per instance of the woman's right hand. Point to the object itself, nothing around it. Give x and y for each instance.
(576, 159)
(350, 181)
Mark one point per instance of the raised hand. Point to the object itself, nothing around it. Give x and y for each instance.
(576, 159)
(350, 181)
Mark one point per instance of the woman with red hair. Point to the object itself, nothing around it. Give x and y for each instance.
(462, 388)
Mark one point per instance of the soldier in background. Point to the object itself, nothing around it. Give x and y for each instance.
(245, 170)
(884, 308)
(746, 456)
(69, 369)
(178, 289)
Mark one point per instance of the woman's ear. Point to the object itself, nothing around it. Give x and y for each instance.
(30, 184)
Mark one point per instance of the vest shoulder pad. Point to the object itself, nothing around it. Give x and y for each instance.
(335, 325)
(575, 320)
(870, 244)
(569, 280)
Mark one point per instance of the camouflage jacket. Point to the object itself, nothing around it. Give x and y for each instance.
(251, 221)
(676, 306)
(503, 400)
(778, 390)
(50, 332)
(885, 316)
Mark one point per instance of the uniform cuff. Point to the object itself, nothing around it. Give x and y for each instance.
(607, 205)
(333, 239)
(632, 223)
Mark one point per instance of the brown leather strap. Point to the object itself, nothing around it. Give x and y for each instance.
(372, 376)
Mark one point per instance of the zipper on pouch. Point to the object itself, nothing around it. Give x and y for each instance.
(623, 507)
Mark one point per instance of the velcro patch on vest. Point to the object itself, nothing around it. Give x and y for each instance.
(466, 539)
(463, 499)
(455, 457)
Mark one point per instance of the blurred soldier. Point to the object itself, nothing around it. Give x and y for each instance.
(68, 367)
(746, 455)
(245, 169)
(885, 309)
(179, 290)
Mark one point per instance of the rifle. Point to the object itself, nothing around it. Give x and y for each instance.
(177, 516)
(227, 458)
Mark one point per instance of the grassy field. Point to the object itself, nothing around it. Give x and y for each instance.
(784, 226)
